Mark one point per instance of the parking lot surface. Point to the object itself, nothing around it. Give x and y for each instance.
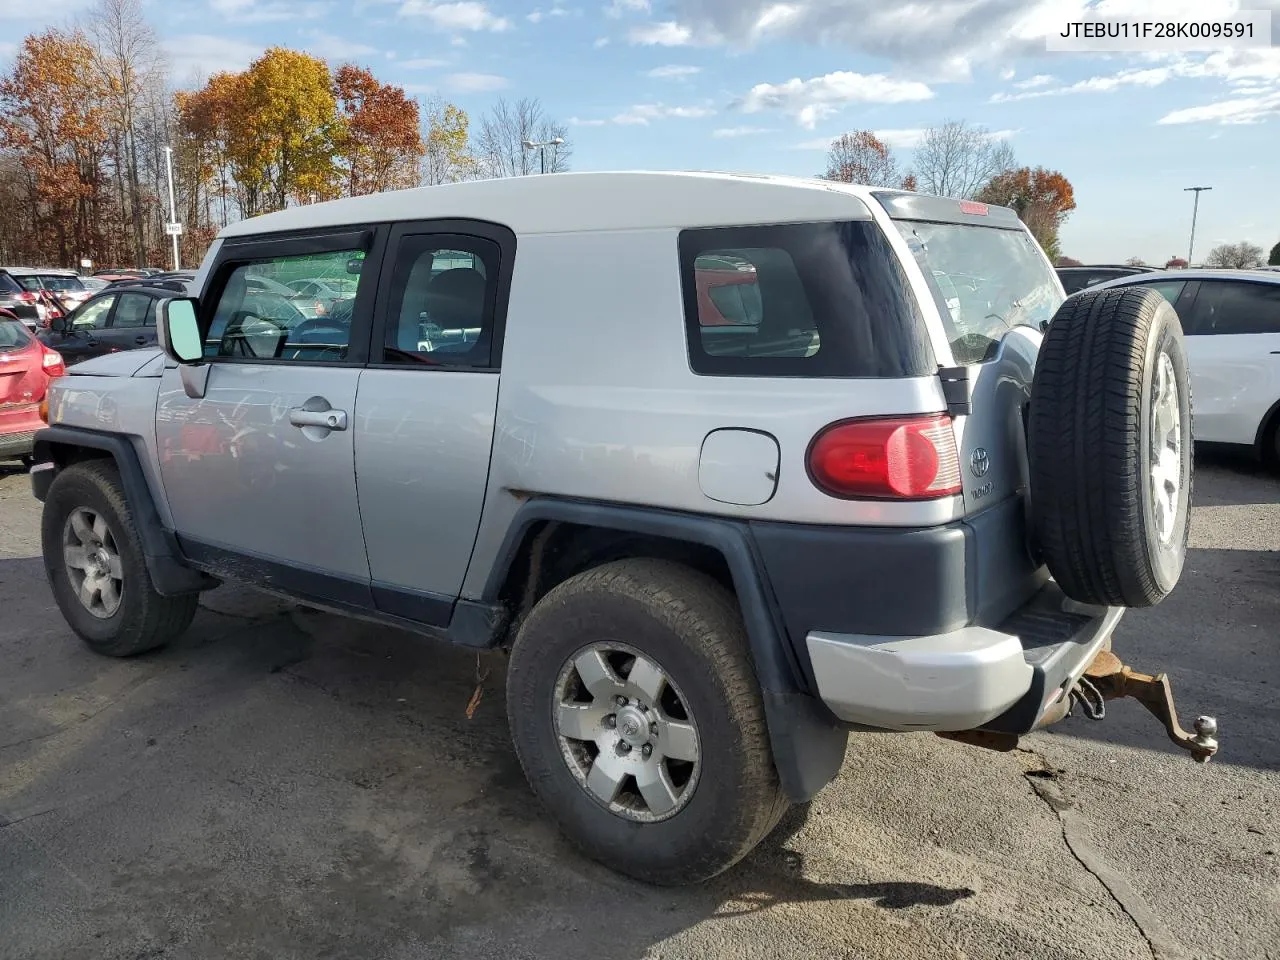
(283, 783)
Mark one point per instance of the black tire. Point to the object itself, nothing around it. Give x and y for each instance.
(144, 620)
(1269, 443)
(691, 626)
(1091, 448)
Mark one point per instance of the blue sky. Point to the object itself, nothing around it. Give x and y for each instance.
(763, 85)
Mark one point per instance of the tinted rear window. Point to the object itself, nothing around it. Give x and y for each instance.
(8, 284)
(801, 300)
(13, 336)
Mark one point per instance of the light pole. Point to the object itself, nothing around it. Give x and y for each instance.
(173, 228)
(541, 147)
(1195, 210)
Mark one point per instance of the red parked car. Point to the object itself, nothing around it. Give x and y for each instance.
(26, 367)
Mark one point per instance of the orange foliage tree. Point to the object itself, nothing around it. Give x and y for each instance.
(53, 128)
(862, 157)
(1042, 198)
(381, 145)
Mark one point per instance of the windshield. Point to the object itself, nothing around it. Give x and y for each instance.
(987, 281)
(13, 336)
(62, 284)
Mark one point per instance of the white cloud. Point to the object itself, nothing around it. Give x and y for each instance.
(903, 139)
(579, 122)
(474, 82)
(538, 15)
(456, 15)
(619, 7)
(665, 34)
(601, 42)
(673, 71)
(199, 55)
(1008, 73)
(535, 17)
(423, 63)
(1032, 83)
(820, 97)
(1151, 77)
(1240, 110)
(330, 47)
(642, 114)
(268, 11)
(731, 133)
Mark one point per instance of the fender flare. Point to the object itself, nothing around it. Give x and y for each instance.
(808, 742)
(170, 574)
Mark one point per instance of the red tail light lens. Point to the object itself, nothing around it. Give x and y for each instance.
(27, 296)
(53, 363)
(898, 458)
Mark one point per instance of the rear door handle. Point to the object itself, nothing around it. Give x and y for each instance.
(139, 340)
(328, 419)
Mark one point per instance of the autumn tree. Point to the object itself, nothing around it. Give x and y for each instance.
(1135, 262)
(127, 56)
(1042, 199)
(1176, 263)
(52, 124)
(861, 157)
(507, 127)
(447, 157)
(1063, 261)
(1235, 256)
(380, 143)
(955, 159)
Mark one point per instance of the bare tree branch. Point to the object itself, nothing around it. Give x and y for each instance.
(503, 132)
(958, 160)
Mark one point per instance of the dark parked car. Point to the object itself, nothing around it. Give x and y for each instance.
(18, 300)
(115, 319)
(174, 281)
(1075, 279)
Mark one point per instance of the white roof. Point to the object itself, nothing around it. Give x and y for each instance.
(579, 202)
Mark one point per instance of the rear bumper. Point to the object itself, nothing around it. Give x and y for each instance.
(1001, 678)
(18, 425)
(17, 444)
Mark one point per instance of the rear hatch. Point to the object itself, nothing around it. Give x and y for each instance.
(994, 291)
(21, 377)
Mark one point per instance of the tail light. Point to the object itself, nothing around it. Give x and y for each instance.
(887, 458)
(53, 364)
(27, 296)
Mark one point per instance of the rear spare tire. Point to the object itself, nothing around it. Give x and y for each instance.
(1110, 447)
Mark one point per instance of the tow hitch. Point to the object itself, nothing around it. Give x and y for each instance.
(1106, 678)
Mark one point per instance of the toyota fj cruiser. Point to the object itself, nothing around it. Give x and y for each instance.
(864, 483)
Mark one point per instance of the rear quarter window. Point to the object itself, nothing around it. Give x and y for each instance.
(800, 300)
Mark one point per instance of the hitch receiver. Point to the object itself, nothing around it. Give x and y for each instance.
(1106, 678)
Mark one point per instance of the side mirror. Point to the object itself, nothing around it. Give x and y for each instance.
(59, 324)
(355, 265)
(178, 330)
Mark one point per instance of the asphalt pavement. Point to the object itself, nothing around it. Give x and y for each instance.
(283, 783)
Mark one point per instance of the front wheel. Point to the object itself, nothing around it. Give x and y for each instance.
(637, 718)
(96, 567)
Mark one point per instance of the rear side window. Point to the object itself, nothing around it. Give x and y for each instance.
(8, 284)
(134, 310)
(1232, 307)
(802, 300)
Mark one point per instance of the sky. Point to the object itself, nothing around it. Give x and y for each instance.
(762, 86)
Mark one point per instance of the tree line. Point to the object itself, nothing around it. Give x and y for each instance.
(86, 114)
(956, 159)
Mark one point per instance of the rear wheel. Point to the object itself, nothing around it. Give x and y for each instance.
(95, 564)
(637, 718)
(1110, 447)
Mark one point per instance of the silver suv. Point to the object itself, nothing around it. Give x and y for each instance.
(731, 466)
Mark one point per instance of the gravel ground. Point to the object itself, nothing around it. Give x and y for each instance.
(288, 784)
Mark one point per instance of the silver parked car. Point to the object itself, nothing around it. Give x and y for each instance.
(732, 466)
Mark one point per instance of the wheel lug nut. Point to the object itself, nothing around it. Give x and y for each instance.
(624, 747)
(611, 721)
(648, 750)
(620, 701)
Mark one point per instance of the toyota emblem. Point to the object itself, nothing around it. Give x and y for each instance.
(979, 462)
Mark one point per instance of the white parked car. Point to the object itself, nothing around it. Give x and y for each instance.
(1232, 322)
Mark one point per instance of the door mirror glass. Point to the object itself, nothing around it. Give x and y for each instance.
(179, 330)
(58, 324)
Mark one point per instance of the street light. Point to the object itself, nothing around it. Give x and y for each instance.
(173, 227)
(541, 147)
(1194, 211)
